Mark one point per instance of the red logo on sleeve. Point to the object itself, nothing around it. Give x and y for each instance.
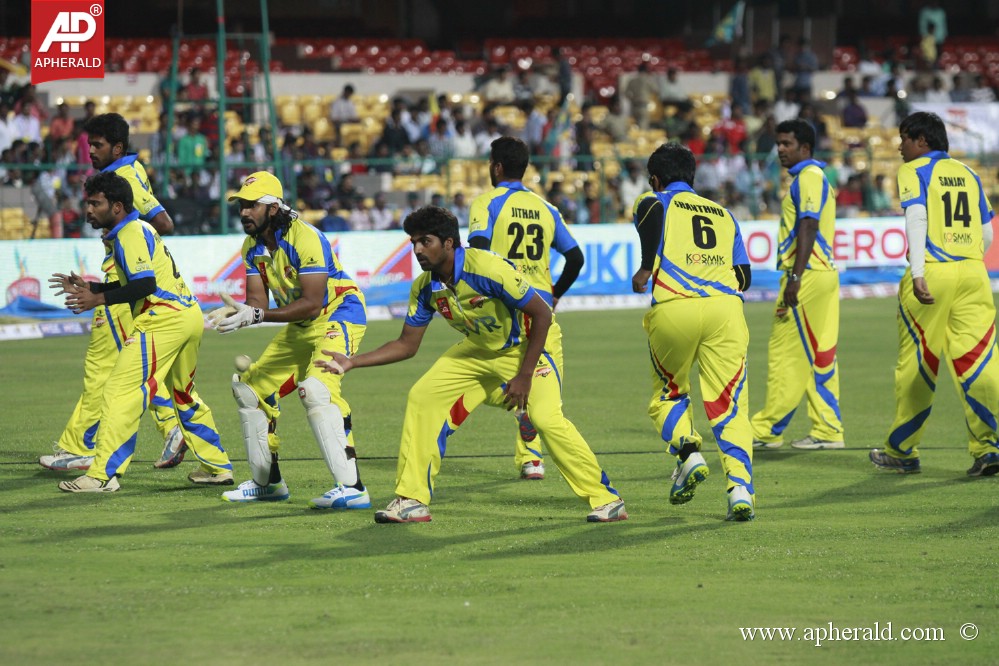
(444, 308)
(67, 40)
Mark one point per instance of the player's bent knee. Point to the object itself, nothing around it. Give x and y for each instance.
(314, 393)
(245, 397)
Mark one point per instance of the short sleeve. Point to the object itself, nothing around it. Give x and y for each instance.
(310, 253)
(421, 311)
(144, 201)
(133, 252)
(813, 189)
(563, 241)
(479, 225)
(739, 255)
(910, 189)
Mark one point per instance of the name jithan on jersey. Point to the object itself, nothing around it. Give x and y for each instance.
(67, 40)
(524, 213)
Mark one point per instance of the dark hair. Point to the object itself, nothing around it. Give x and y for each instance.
(927, 125)
(110, 126)
(672, 163)
(433, 221)
(512, 153)
(112, 186)
(802, 130)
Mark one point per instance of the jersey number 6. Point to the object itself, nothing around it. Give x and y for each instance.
(704, 235)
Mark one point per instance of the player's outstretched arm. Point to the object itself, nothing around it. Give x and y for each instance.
(403, 347)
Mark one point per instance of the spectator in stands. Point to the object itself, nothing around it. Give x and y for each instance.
(822, 141)
(959, 92)
(499, 89)
(426, 164)
(867, 87)
(347, 192)
(412, 204)
(440, 141)
(564, 74)
(6, 131)
(394, 135)
(639, 91)
(437, 199)
(584, 144)
(766, 139)
(932, 14)
(313, 190)
(26, 126)
(850, 199)
(8, 88)
(781, 57)
(382, 158)
(29, 99)
(708, 178)
(848, 87)
(355, 162)
(360, 219)
(679, 123)
(762, 80)
(928, 47)
(756, 117)
(694, 140)
(917, 91)
(633, 184)
(61, 126)
(982, 91)
(342, 110)
(195, 90)
(877, 201)
(616, 123)
(738, 86)
(559, 198)
(534, 127)
(522, 89)
(671, 92)
(465, 146)
(485, 138)
(460, 209)
(732, 130)
(787, 107)
(72, 218)
(334, 221)
(192, 148)
(937, 94)
(381, 215)
(806, 63)
(854, 113)
(263, 150)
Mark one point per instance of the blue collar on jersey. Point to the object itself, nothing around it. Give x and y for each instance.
(131, 217)
(125, 160)
(679, 186)
(797, 168)
(513, 185)
(936, 155)
(459, 270)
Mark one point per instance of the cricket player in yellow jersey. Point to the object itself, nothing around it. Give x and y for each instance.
(693, 252)
(161, 347)
(517, 224)
(801, 357)
(325, 311)
(108, 138)
(944, 300)
(511, 354)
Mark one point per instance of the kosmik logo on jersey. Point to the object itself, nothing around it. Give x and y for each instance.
(67, 40)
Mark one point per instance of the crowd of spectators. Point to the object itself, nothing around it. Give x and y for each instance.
(421, 136)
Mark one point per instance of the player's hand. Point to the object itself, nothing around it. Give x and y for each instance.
(80, 299)
(791, 293)
(516, 391)
(921, 291)
(338, 365)
(218, 314)
(64, 282)
(243, 316)
(640, 280)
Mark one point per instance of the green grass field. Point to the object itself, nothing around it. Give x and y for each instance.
(508, 571)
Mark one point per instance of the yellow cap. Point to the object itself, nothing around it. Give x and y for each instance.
(259, 185)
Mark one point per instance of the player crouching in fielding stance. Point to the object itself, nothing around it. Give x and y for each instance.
(325, 311)
(161, 348)
(948, 228)
(511, 355)
(692, 249)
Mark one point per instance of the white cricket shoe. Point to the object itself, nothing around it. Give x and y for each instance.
(811, 443)
(608, 513)
(532, 470)
(686, 477)
(342, 497)
(403, 510)
(249, 491)
(740, 505)
(62, 461)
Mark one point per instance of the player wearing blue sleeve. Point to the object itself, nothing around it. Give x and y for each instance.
(801, 356)
(948, 225)
(108, 137)
(693, 253)
(325, 311)
(517, 224)
(511, 354)
(161, 348)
